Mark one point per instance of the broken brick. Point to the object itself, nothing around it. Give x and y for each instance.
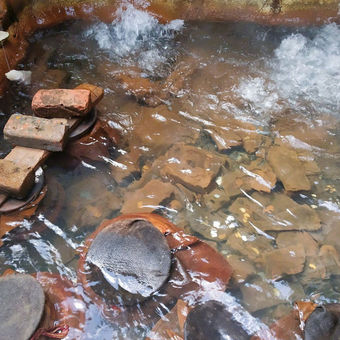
(34, 132)
(32, 158)
(16, 180)
(97, 93)
(61, 103)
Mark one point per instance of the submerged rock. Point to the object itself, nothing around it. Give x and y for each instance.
(242, 268)
(193, 167)
(212, 321)
(288, 168)
(302, 239)
(149, 197)
(284, 261)
(323, 323)
(129, 260)
(275, 212)
(21, 306)
(259, 294)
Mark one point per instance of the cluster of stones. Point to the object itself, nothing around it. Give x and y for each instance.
(246, 186)
(57, 113)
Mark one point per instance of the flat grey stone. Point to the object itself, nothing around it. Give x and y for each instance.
(21, 306)
(130, 260)
(212, 321)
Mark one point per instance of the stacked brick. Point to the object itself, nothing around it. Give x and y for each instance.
(57, 113)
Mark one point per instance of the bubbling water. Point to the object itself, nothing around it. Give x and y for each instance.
(137, 38)
(304, 75)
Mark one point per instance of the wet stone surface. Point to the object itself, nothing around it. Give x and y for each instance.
(21, 306)
(211, 320)
(130, 260)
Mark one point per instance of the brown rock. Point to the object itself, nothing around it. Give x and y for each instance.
(258, 175)
(61, 103)
(242, 268)
(275, 212)
(160, 128)
(215, 226)
(284, 261)
(35, 132)
(32, 158)
(89, 202)
(194, 168)
(249, 244)
(16, 180)
(148, 198)
(259, 294)
(97, 93)
(322, 266)
(302, 239)
(126, 167)
(215, 199)
(288, 168)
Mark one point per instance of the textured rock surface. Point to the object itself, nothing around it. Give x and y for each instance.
(21, 306)
(193, 167)
(34, 132)
(275, 212)
(131, 259)
(61, 103)
(211, 320)
(149, 197)
(288, 168)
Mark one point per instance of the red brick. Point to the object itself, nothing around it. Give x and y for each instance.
(35, 132)
(61, 103)
(97, 93)
(15, 180)
(32, 158)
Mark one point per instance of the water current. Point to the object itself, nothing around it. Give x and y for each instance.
(250, 88)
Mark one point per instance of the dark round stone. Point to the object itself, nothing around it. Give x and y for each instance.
(21, 306)
(129, 261)
(212, 321)
(324, 323)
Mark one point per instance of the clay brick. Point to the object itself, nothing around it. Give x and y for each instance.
(71, 124)
(61, 103)
(15, 180)
(97, 93)
(34, 132)
(32, 158)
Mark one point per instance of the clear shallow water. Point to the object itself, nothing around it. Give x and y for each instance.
(283, 81)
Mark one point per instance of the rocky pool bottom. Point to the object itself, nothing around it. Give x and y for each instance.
(242, 152)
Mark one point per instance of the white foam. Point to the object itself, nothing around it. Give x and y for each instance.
(304, 74)
(137, 35)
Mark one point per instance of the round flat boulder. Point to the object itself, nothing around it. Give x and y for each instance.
(21, 306)
(212, 321)
(129, 260)
(324, 323)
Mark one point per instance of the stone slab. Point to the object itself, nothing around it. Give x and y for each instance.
(15, 180)
(97, 93)
(288, 168)
(32, 158)
(21, 306)
(62, 103)
(35, 132)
